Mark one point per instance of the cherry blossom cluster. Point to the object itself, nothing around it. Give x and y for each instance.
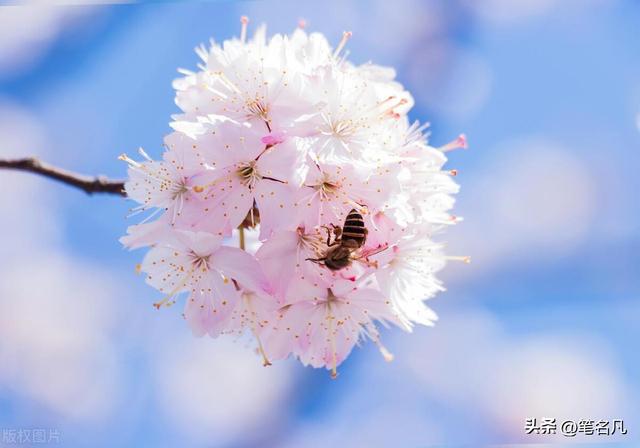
(278, 140)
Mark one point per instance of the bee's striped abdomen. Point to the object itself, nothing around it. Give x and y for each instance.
(354, 228)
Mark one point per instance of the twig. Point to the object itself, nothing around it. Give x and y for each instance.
(89, 184)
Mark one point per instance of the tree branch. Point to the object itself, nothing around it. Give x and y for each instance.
(89, 184)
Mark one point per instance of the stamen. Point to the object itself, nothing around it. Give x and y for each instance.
(144, 154)
(163, 302)
(455, 219)
(386, 354)
(200, 262)
(226, 81)
(417, 132)
(166, 301)
(465, 259)
(258, 109)
(202, 52)
(327, 188)
(458, 143)
(184, 71)
(244, 20)
(141, 208)
(334, 355)
(390, 110)
(144, 169)
(453, 172)
(246, 171)
(345, 37)
(332, 338)
(312, 241)
(129, 160)
(344, 128)
(302, 24)
(377, 106)
(265, 360)
(201, 188)
(248, 174)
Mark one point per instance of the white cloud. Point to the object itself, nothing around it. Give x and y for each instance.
(29, 209)
(28, 29)
(56, 315)
(467, 381)
(20, 131)
(533, 200)
(451, 81)
(351, 423)
(510, 12)
(470, 364)
(562, 377)
(391, 29)
(55, 323)
(219, 390)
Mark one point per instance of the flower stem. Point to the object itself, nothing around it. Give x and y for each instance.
(241, 233)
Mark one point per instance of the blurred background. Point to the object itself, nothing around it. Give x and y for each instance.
(544, 323)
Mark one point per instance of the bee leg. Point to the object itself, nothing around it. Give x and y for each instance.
(329, 243)
(316, 260)
(337, 230)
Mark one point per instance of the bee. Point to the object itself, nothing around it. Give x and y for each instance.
(348, 239)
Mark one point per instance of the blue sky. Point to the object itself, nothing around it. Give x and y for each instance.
(544, 322)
